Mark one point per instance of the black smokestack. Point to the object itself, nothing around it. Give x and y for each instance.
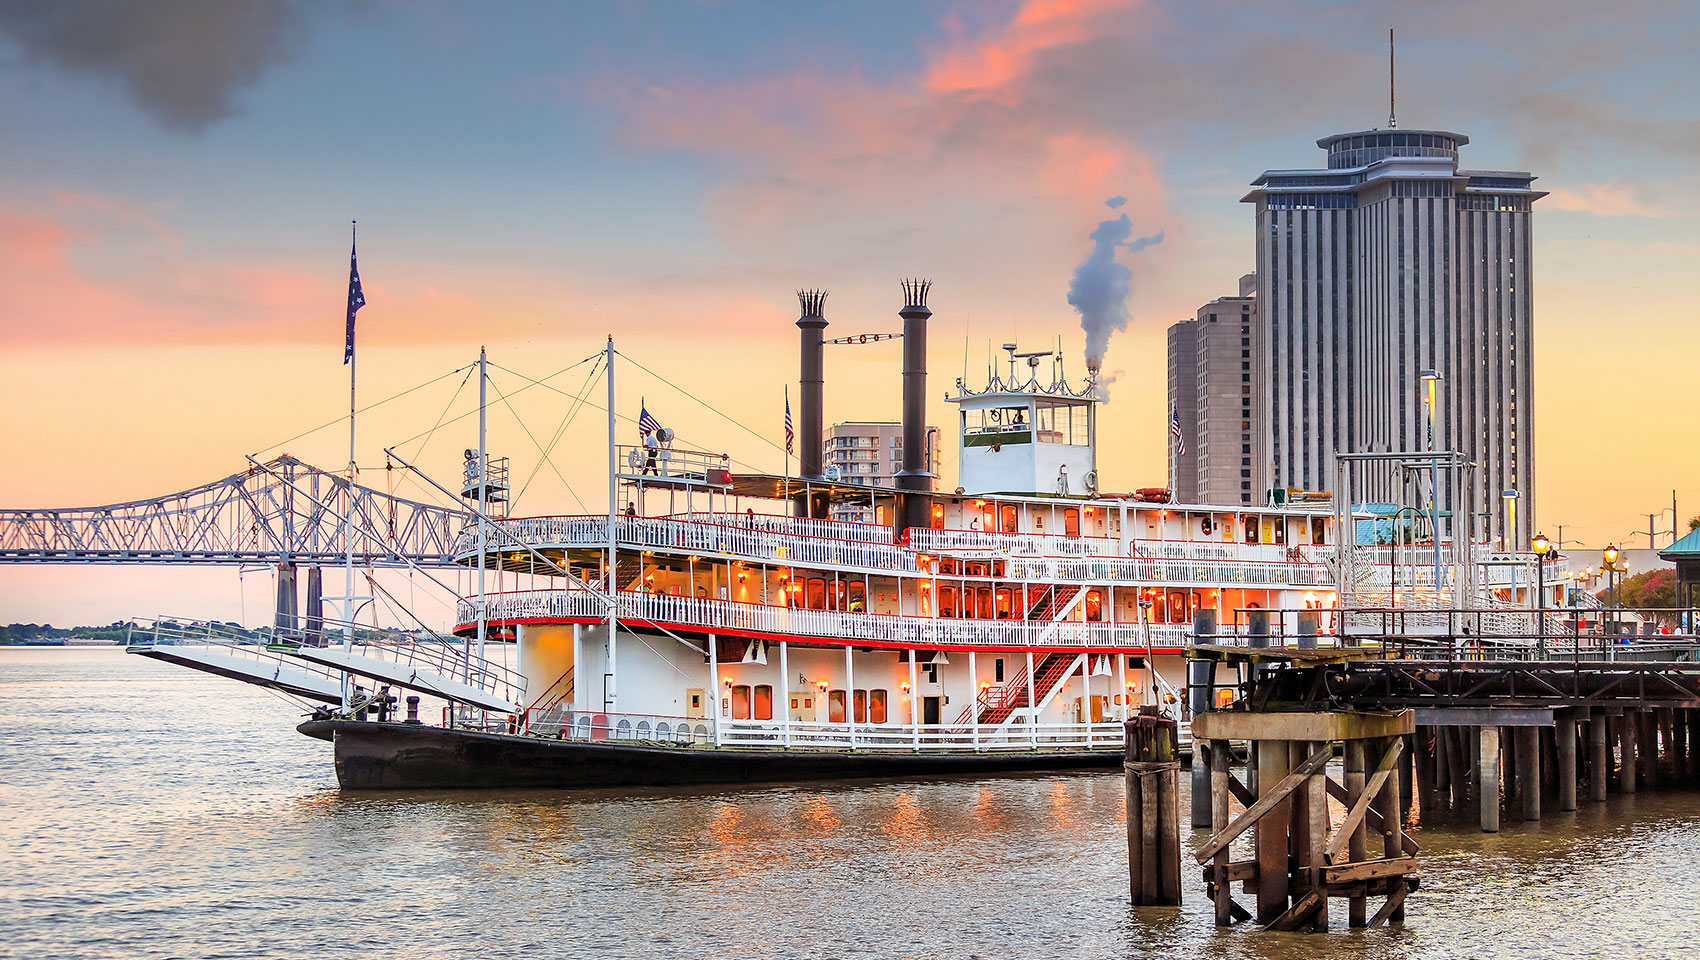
(813, 381)
(914, 476)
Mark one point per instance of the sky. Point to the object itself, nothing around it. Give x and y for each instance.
(178, 179)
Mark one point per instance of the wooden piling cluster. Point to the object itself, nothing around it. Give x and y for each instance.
(1302, 860)
(1151, 768)
(1483, 773)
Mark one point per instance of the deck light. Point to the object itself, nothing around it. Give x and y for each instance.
(904, 686)
(728, 680)
(1541, 544)
(985, 684)
(822, 685)
(1610, 555)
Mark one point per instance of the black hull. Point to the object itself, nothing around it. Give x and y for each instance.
(397, 756)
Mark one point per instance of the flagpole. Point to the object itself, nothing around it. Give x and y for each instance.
(348, 527)
(788, 508)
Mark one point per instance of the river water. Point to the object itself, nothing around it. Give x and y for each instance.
(149, 811)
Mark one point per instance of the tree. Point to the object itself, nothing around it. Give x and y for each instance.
(1651, 588)
(1694, 523)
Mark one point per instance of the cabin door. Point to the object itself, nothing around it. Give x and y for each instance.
(930, 709)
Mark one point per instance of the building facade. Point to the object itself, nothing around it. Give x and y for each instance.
(869, 454)
(1214, 378)
(1391, 266)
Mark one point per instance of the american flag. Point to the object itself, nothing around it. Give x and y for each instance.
(790, 433)
(356, 300)
(646, 423)
(1175, 430)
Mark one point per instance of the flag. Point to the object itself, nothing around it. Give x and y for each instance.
(1175, 430)
(646, 423)
(790, 433)
(356, 300)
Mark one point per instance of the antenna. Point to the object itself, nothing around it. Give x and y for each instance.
(1392, 122)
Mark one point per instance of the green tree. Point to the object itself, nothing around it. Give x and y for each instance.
(1694, 523)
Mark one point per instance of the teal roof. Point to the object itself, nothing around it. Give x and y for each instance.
(1688, 546)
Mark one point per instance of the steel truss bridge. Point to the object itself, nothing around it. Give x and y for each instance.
(281, 512)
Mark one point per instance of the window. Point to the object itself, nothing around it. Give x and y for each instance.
(1011, 519)
(1094, 606)
(764, 702)
(741, 702)
(997, 669)
(1071, 522)
(938, 516)
(876, 706)
(861, 702)
(932, 671)
(835, 706)
(947, 602)
(815, 594)
(1005, 600)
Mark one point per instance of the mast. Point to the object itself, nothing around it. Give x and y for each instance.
(609, 692)
(483, 502)
(348, 525)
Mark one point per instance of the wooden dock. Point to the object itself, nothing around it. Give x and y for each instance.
(1449, 740)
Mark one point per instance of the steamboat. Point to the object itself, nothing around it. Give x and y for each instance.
(718, 626)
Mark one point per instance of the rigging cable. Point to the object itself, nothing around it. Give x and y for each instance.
(370, 406)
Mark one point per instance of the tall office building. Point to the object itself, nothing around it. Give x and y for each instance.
(870, 454)
(1214, 380)
(1391, 262)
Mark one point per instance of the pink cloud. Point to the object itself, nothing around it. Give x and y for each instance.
(971, 131)
(1604, 200)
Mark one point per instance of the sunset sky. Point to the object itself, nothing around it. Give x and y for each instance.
(179, 177)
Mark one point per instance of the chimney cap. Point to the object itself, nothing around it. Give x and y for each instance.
(813, 303)
(915, 294)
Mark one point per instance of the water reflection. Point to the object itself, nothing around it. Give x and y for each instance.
(226, 836)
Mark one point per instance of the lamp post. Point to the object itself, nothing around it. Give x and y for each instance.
(1541, 545)
(1430, 378)
(1609, 558)
(1510, 530)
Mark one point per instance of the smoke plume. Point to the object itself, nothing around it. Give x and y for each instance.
(180, 60)
(1101, 285)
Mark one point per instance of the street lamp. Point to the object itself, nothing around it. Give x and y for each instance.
(1609, 556)
(1541, 545)
(1510, 498)
(1430, 378)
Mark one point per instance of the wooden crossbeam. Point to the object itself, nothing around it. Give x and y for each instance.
(1373, 818)
(1265, 803)
(1394, 901)
(1343, 835)
(1369, 870)
(1297, 913)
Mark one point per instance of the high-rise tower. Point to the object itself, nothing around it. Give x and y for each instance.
(1391, 262)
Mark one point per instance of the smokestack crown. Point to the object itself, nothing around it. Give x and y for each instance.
(915, 298)
(813, 303)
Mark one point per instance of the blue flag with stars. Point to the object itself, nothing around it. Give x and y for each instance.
(356, 300)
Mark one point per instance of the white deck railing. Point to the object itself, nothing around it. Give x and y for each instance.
(1249, 564)
(713, 616)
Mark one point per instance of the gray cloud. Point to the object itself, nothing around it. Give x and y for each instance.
(181, 61)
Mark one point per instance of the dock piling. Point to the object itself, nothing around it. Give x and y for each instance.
(1488, 763)
(1151, 773)
(1565, 740)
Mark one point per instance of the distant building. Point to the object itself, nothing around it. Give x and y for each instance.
(870, 454)
(1389, 262)
(1214, 376)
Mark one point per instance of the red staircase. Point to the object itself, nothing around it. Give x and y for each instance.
(997, 703)
(1051, 602)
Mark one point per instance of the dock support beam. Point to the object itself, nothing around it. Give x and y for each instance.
(1201, 676)
(1627, 768)
(1565, 741)
(1151, 770)
(1599, 748)
(1529, 771)
(1487, 762)
(1273, 765)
